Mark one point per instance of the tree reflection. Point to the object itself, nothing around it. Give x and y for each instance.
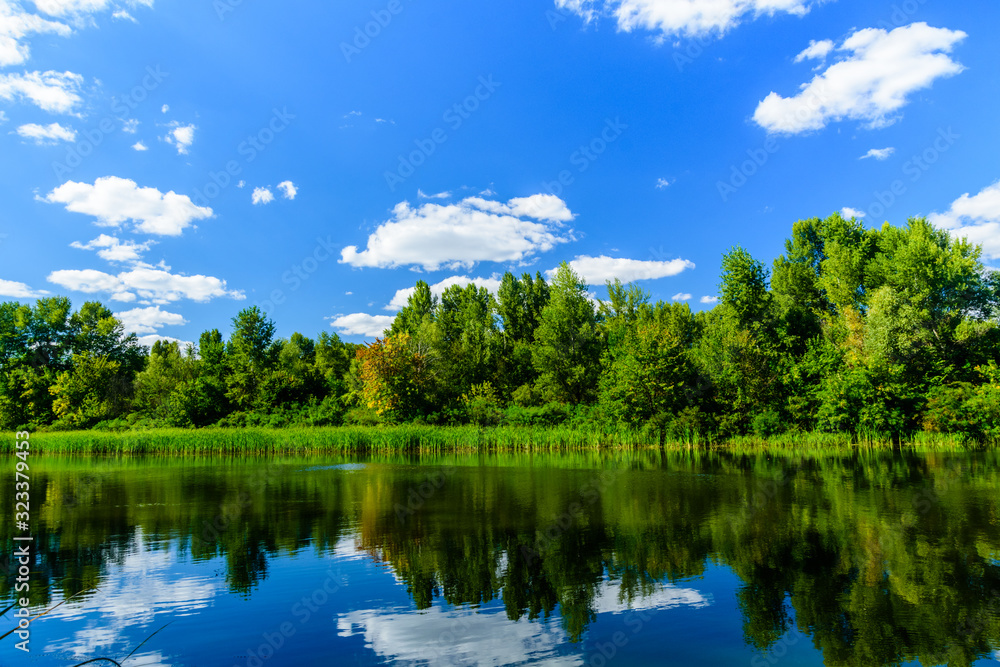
(879, 559)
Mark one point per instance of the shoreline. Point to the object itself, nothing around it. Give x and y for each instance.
(448, 439)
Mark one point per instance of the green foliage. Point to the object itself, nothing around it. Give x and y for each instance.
(568, 343)
(867, 334)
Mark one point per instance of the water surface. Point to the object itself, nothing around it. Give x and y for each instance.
(596, 559)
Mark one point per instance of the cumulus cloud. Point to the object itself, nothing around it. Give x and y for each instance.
(55, 92)
(112, 201)
(816, 50)
(458, 235)
(150, 284)
(181, 136)
(113, 249)
(288, 189)
(975, 217)
(849, 212)
(690, 18)
(681, 296)
(144, 321)
(879, 154)
(599, 270)
(130, 126)
(401, 296)
(19, 290)
(47, 134)
(261, 197)
(15, 26)
(139, 146)
(710, 300)
(662, 183)
(871, 83)
(362, 324)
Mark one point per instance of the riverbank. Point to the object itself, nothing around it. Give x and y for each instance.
(421, 438)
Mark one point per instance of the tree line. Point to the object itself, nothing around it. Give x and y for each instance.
(870, 332)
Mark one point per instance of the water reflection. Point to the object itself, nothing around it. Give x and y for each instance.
(878, 560)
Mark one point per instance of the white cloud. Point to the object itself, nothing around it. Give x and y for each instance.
(288, 189)
(681, 296)
(457, 235)
(879, 154)
(598, 270)
(55, 92)
(662, 183)
(18, 290)
(113, 249)
(148, 283)
(440, 195)
(148, 341)
(816, 50)
(114, 200)
(483, 637)
(242, 184)
(261, 196)
(401, 296)
(143, 321)
(165, 108)
(130, 126)
(47, 134)
(975, 217)
(871, 83)
(690, 18)
(3, 118)
(15, 26)
(362, 324)
(123, 15)
(139, 146)
(710, 300)
(70, 7)
(849, 212)
(181, 136)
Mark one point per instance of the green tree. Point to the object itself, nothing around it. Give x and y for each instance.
(92, 391)
(568, 345)
(252, 355)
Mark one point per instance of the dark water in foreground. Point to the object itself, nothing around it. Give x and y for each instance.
(642, 559)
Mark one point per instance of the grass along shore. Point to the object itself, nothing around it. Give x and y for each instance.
(421, 438)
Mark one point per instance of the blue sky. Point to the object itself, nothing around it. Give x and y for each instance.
(179, 161)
